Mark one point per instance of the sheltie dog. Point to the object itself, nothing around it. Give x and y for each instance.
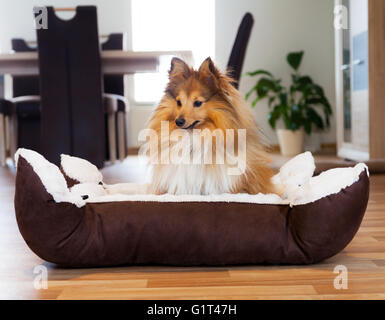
(206, 99)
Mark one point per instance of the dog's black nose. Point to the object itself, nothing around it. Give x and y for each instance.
(180, 122)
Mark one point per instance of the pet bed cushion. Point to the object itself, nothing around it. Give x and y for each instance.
(64, 226)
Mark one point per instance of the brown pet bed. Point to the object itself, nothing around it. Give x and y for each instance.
(186, 232)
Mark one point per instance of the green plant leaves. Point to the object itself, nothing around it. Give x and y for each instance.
(315, 118)
(259, 72)
(271, 100)
(263, 87)
(296, 117)
(294, 59)
(256, 100)
(296, 106)
(274, 115)
(307, 127)
(248, 94)
(265, 84)
(283, 98)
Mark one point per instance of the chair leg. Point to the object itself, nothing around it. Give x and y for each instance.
(121, 136)
(2, 141)
(127, 128)
(6, 129)
(13, 136)
(111, 136)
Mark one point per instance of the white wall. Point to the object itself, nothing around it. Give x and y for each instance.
(16, 17)
(281, 26)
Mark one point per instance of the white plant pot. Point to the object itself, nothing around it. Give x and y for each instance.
(313, 142)
(291, 142)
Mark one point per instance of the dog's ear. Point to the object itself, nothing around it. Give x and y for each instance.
(208, 72)
(178, 69)
(209, 67)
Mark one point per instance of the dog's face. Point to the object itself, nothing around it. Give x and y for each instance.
(196, 99)
(191, 104)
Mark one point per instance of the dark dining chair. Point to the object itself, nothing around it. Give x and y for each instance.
(22, 111)
(238, 52)
(114, 84)
(72, 109)
(28, 109)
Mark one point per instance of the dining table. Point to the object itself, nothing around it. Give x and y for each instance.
(116, 62)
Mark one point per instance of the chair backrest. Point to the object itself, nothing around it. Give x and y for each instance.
(114, 83)
(72, 115)
(24, 85)
(238, 52)
(28, 129)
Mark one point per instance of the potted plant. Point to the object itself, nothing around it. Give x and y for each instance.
(297, 105)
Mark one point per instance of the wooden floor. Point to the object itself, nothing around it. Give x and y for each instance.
(364, 259)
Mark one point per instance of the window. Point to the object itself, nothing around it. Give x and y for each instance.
(170, 25)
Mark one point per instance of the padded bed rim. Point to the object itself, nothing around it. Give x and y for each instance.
(132, 233)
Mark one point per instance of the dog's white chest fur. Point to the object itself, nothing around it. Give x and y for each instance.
(192, 179)
(189, 177)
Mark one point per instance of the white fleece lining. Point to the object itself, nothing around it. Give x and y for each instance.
(328, 182)
(50, 176)
(55, 185)
(80, 169)
(225, 197)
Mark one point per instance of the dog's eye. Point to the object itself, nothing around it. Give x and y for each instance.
(178, 103)
(197, 103)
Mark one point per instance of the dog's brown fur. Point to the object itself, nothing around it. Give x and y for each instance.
(222, 108)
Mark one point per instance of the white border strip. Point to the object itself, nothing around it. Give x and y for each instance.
(327, 183)
(226, 197)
